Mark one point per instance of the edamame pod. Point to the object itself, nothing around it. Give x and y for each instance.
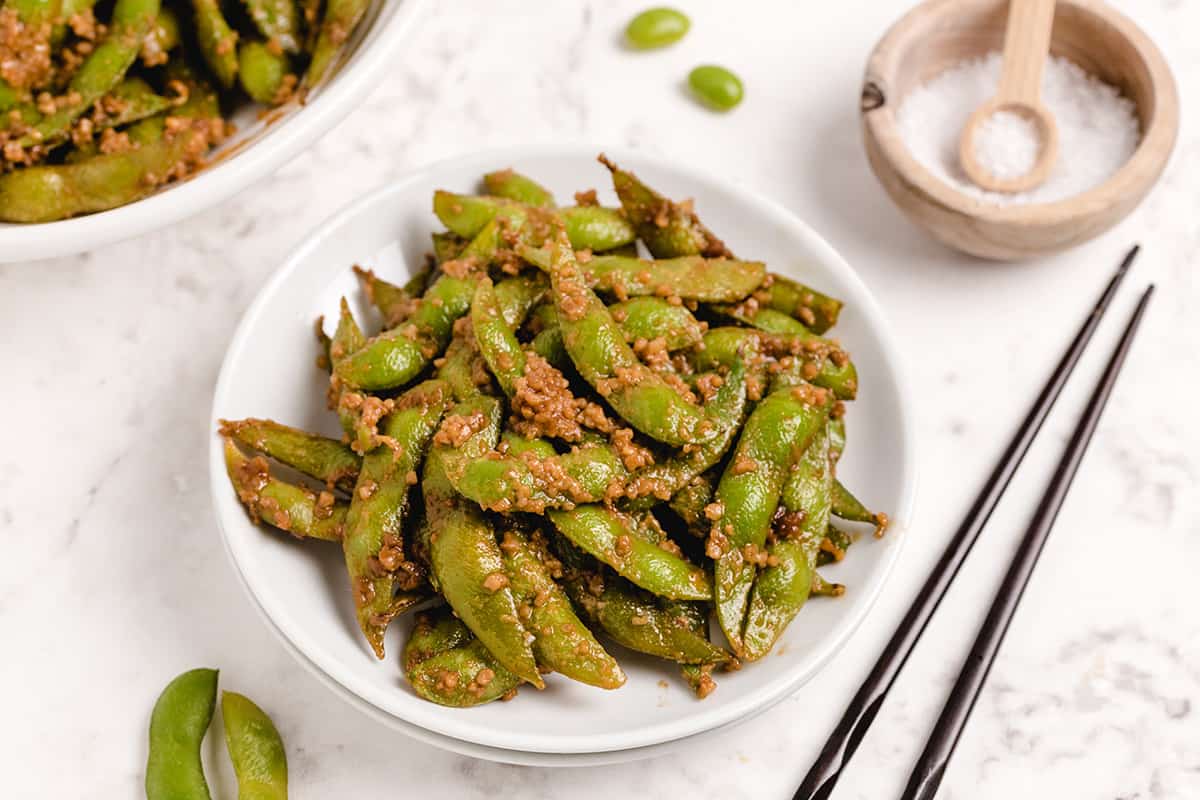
(521, 188)
(295, 509)
(261, 71)
(464, 558)
(256, 749)
(774, 437)
(373, 543)
(669, 229)
(218, 41)
(497, 342)
(340, 20)
(447, 665)
(328, 460)
(612, 537)
(782, 587)
(177, 727)
(600, 354)
(561, 642)
(278, 21)
(651, 318)
(532, 483)
(819, 312)
(588, 227)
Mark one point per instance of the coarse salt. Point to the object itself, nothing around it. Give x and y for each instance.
(1098, 129)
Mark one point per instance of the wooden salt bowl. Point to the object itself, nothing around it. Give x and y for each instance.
(940, 33)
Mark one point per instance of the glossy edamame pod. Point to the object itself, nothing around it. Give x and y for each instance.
(782, 587)
(588, 227)
(261, 71)
(600, 354)
(514, 186)
(256, 749)
(669, 229)
(394, 303)
(338, 24)
(774, 437)
(218, 41)
(657, 27)
(561, 642)
(447, 665)
(650, 318)
(398, 355)
(347, 340)
(137, 101)
(532, 483)
(497, 342)
(612, 538)
(328, 460)
(716, 87)
(277, 21)
(177, 727)
(661, 481)
(464, 558)
(373, 543)
(801, 358)
(818, 312)
(708, 280)
(295, 509)
(645, 623)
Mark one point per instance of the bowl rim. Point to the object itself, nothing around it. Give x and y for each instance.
(1135, 175)
(434, 718)
(286, 138)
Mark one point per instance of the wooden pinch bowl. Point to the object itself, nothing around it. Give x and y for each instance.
(941, 33)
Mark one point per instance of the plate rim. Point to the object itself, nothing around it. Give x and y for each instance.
(756, 701)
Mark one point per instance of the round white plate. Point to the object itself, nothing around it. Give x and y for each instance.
(302, 588)
(256, 150)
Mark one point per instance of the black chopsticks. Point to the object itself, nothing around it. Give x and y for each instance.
(850, 730)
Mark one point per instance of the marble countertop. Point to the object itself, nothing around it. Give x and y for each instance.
(113, 579)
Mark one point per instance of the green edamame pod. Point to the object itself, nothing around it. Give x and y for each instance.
(177, 727)
(278, 21)
(644, 623)
(347, 340)
(802, 358)
(464, 370)
(218, 41)
(497, 342)
(261, 71)
(515, 186)
(447, 246)
(340, 20)
(600, 354)
(548, 344)
(708, 280)
(669, 229)
(612, 537)
(464, 559)
(531, 483)
(847, 506)
(716, 87)
(373, 543)
(393, 302)
(256, 749)
(597, 228)
(588, 227)
(136, 101)
(164, 35)
(650, 318)
(693, 497)
(783, 586)
(561, 642)
(447, 665)
(819, 312)
(328, 460)
(295, 509)
(663, 480)
(775, 435)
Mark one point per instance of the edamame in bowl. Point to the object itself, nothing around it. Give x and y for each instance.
(118, 118)
(601, 458)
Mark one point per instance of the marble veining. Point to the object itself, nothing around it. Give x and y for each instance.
(113, 577)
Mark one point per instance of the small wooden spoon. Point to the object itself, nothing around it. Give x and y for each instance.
(1026, 46)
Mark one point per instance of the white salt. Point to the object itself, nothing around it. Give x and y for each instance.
(1098, 129)
(1007, 144)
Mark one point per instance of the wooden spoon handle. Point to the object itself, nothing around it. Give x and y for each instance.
(1026, 45)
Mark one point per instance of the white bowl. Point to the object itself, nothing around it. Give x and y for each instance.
(256, 150)
(302, 587)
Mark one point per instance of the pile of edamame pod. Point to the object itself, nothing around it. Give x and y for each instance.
(553, 439)
(102, 102)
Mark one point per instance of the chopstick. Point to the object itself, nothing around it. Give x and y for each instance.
(822, 777)
(927, 775)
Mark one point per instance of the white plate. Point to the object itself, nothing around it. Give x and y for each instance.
(258, 149)
(268, 371)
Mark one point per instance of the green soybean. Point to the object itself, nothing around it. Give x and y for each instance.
(716, 87)
(657, 27)
(177, 727)
(255, 748)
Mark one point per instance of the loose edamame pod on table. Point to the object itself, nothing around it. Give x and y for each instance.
(256, 749)
(600, 462)
(177, 726)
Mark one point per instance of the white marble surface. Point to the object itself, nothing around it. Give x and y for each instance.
(113, 579)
